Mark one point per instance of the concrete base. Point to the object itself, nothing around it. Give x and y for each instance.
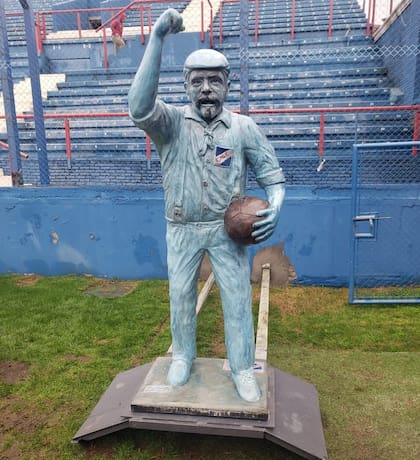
(293, 416)
(210, 391)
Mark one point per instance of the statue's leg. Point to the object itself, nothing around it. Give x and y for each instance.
(232, 273)
(184, 257)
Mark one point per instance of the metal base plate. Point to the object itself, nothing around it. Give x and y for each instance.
(293, 421)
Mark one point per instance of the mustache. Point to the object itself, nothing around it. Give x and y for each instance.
(208, 100)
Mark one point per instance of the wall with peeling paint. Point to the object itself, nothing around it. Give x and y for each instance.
(120, 232)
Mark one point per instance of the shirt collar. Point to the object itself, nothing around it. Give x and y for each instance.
(225, 117)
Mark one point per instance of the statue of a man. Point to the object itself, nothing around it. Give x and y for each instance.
(204, 151)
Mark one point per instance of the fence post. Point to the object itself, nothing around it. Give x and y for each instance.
(28, 17)
(321, 135)
(416, 132)
(221, 23)
(257, 25)
(9, 101)
(68, 141)
(202, 21)
(141, 14)
(330, 19)
(292, 20)
(211, 24)
(244, 56)
(105, 48)
(79, 24)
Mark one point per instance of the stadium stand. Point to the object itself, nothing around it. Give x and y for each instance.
(311, 71)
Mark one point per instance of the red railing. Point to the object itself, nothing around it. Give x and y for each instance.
(211, 22)
(369, 9)
(256, 18)
(66, 117)
(143, 6)
(323, 111)
(4, 145)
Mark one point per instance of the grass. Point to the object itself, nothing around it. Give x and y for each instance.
(61, 345)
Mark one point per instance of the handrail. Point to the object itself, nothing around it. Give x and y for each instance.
(211, 24)
(121, 11)
(4, 145)
(370, 8)
(330, 18)
(320, 110)
(256, 26)
(292, 21)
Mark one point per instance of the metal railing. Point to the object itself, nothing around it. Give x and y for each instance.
(369, 7)
(43, 32)
(321, 112)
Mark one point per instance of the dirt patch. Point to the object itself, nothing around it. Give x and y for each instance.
(110, 289)
(13, 371)
(17, 418)
(27, 280)
(364, 447)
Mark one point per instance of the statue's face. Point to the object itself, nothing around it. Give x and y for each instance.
(207, 90)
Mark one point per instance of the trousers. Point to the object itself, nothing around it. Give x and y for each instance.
(186, 245)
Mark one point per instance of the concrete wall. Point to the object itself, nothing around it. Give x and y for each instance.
(120, 232)
(84, 54)
(402, 31)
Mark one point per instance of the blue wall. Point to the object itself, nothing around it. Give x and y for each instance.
(404, 67)
(120, 232)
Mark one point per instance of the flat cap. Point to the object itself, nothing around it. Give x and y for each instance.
(206, 59)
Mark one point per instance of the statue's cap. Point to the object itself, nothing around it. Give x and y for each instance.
(206, 59)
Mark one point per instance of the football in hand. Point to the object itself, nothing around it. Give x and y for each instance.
(240, 217)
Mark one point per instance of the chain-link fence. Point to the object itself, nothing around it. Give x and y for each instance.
(385, 258)
(306, 71)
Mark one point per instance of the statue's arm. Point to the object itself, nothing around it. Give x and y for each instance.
(143, 91)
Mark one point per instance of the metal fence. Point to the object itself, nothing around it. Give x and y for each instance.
(309, 73)
(316, 84)
(385, 261)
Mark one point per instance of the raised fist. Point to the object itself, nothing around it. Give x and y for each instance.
(169, 22)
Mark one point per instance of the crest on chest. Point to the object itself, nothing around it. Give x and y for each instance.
(223, 156)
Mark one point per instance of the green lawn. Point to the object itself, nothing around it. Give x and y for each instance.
(61, 345)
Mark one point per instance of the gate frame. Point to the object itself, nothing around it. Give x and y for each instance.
(353, 207)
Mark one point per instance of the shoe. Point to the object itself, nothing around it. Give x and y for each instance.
(246, 385)
(179, 372)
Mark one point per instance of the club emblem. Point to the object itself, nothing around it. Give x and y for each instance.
(223, 157)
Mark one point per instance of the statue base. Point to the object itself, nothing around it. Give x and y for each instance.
(209, 391)
(287, 414)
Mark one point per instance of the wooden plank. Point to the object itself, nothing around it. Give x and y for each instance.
(262, 329)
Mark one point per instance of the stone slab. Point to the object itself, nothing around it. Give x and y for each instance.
(210, 392)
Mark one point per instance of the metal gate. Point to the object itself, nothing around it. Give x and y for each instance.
(385, 224)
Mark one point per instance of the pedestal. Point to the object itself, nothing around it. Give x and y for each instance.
(287, 414)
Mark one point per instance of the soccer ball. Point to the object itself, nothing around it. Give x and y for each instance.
(240, 218)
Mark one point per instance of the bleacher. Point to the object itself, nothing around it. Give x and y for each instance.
(274, 18)
(312, 71)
